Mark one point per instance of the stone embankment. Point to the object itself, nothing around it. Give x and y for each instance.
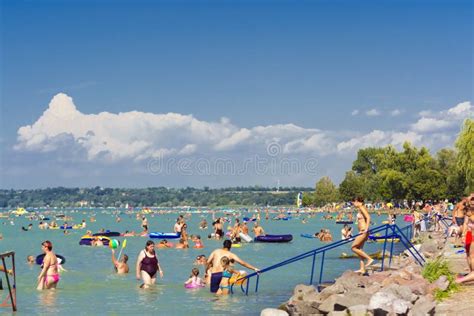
(399, 291)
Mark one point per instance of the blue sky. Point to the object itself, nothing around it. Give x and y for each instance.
(344, 74)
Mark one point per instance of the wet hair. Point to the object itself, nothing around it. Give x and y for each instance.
(149, 242)
(227, 244)
(47, 244)
(125, 258)
(225, 261)
(194, 272)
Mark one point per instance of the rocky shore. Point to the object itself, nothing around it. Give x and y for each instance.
(399, 291)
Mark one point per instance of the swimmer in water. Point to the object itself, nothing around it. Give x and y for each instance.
(194, 280)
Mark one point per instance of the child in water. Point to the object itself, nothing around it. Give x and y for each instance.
(194, 280)
(224, 286)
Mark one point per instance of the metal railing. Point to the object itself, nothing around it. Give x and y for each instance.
(391, 232)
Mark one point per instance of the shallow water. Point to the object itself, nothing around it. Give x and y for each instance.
(91, 287)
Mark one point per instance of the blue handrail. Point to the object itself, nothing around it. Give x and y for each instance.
(447, 222)
(391, 231)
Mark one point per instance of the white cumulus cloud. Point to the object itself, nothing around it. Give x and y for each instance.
(395, 112)
(432, 122)
(136, 136)
(372, 112)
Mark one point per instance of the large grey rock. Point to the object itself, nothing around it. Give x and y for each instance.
(304, 293)
(328, 304)
(358, 310)
(301, 308)
(330, 290)
(413, 269)
(442, 283)
(401, 291)
(273, 312)
(424, 306)
(400, 306)
(418, 286)
(350, 280)
(352, 298)
(382, 300)
(302, 289)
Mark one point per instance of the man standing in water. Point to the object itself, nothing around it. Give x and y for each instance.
(258, 230)
(213, 263)
(120, 265)
(363, 221)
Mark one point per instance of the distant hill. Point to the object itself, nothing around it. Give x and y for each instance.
(157, 196)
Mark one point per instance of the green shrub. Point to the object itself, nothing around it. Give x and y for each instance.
(436, 268)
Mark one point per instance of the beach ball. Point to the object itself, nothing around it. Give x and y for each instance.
(114, 243)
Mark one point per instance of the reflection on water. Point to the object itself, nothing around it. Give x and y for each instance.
(47, 299)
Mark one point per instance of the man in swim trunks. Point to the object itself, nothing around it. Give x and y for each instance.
(258, 230)
(213, 264)
(120, 265)
(49, 275)
(178, 226)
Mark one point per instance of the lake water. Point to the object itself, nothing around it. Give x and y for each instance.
(91, 287)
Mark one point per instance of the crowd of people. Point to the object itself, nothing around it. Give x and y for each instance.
(218, 268)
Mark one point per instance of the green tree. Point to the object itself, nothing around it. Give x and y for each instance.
(368, 160)
(465, 160)
(352, 186)
(308, 198)
(446, 160)
(325, 192)
(393, 184)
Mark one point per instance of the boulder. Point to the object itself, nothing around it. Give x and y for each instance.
(350, 280)
(400, 306)
(418, 286)
(424, 306)
(328, 304)
(383, 301)
(352, 298)
(273, 312)
(304, 293)
(442, 283)
(301, 308)
(401, 291)
(413, 269)
(302, 289)
(330, 290)
(358, 310)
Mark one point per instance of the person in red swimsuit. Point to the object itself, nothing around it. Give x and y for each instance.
(468, 230)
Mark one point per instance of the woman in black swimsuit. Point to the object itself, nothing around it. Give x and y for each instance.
(148, 265)
(218, 231)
